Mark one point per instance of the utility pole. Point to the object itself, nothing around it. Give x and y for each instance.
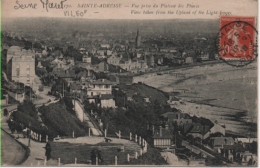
(30, 93)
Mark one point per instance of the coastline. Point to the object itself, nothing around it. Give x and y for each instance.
(216, 92)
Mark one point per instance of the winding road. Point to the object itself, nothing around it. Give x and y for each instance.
(10, 144)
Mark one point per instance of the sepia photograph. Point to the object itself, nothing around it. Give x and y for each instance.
(129, 83)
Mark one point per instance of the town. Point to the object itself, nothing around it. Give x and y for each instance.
(82, 97)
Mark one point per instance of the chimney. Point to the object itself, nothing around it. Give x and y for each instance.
(160, 131)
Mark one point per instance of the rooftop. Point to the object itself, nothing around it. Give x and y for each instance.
(165, 134)
(199, 128)
(218, 141)
(173, 115)
(102, 82)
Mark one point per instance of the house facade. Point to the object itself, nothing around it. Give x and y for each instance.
(177, 118)
(21, 65)
(114, 60)
(100, 87)
(107, 101)
(162, 138)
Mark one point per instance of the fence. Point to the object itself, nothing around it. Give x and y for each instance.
(122, 158)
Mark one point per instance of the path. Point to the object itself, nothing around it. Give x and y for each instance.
(10, 147)
(37, 152)
(12, 151)
(8, 144)
(131, 145)
(84, 116)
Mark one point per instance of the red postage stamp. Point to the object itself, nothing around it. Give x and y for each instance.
(237, 38)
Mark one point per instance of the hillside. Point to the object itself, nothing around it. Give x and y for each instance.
(60, 121)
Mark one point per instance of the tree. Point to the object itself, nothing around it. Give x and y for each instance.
(5, 112)
(74, 53)
(29, 108)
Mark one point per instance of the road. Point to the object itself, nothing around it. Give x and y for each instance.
(37, 152)
(12, 152)
(8, 144)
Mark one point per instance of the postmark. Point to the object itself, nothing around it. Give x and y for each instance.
(237, 40)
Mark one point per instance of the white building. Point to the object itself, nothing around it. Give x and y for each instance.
(86, 59)
(100, 87)
(21, 65)
(188, 60)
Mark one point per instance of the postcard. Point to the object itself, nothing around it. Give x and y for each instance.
(129, 83)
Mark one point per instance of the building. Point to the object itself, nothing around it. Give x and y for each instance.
(188, 60)
(248, 158)
(109, 52)
(114, 60)
(204, 56)
(100, 87)
(177, 118)
(81, 50)
(18, 95)
(102, 67)
(215, 129)
(133, 65)
(101, 52)
(149, 60)
(75, 88)
(219, 142)
(162, 138)
(86, 59)
(21, 65)
(105, 46)
(67, 75)
(198, 130)
(107, 101)
(61, 63)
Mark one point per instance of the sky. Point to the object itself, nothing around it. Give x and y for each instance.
(232, 7)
